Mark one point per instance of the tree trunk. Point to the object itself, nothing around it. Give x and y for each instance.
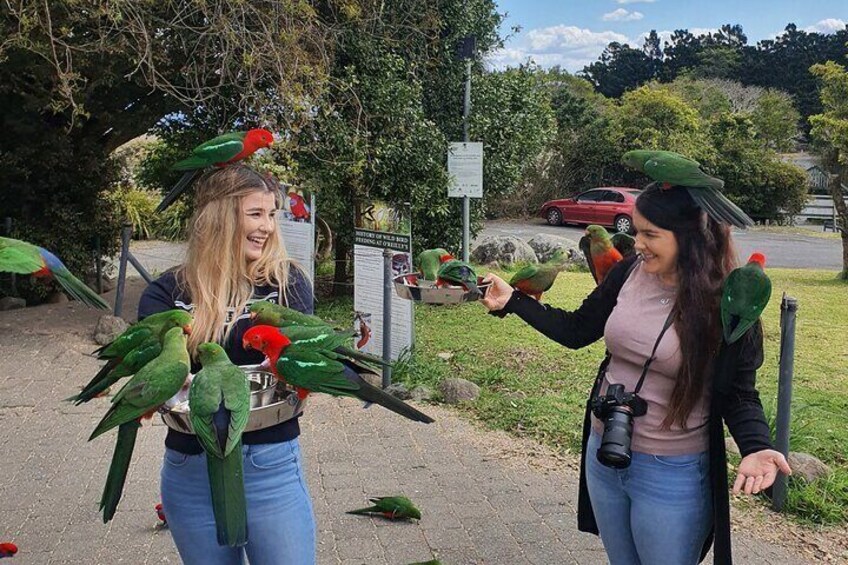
(341, 284)
(838, 195)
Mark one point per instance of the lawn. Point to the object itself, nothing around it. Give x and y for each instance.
(536, 388)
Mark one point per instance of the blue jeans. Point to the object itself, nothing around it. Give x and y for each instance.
(657, 510)
(280, 522)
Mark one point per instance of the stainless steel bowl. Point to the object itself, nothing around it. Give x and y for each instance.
(263, 386)
(413, 286)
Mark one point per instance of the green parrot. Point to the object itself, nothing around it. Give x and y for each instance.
(536, 279)
(391, 507)
(601, 254)
(144, 393)
(431, 562)
(430, 260)
(746, 293)
(24, 258)
(132, 350)
(454, 271)
(625, 243)
(219, 406)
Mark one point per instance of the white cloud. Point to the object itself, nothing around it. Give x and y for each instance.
(830, 25)
(635, 1)
(622, 15)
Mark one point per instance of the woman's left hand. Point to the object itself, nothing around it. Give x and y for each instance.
(757, 471)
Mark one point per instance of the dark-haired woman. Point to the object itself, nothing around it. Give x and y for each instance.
(659, 316)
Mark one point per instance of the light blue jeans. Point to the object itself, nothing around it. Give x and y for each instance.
(280, 522)
(657, 510)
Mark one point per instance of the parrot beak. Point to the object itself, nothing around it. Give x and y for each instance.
(187, 329)
(246, 345)
(253, 315)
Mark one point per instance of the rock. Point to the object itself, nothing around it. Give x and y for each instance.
(731, 446)
(11, 303)
(56, 297)
(807, 466)
(398, 390)
(372, 379)
(108, 328)
(545, 246)
(503, 249)
(577, 259)
(420, 393)
(455, 390)
(445, 355)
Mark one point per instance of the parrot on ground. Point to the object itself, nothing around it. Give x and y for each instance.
(745, 295)
(456, 272)
(313, 364)
(430, 260)
(8, 549)
(431, 562)
(24, 258)
(600, 253)
(391, 507)
(160, 513)
(132, 350)
(219, 407)
(144, 393)
(217, 152)
(673, 169)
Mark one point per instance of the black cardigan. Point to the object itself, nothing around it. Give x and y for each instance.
(735, 399)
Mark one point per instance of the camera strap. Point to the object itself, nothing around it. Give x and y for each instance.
(668, 321)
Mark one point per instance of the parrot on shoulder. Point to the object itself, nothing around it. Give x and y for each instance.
(391, 507)
(144, 393)
(217, 152)
(314, 365)
(24, 258)
(456, 272)
(600, 253)
(430, 260)
(745, 295)
(219, 407)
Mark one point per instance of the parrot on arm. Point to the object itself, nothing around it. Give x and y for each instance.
(430, 260)
(144, 393)
(600, 253)
(313, 364)
(8, 549)
(454, 271)
(391, 507)
(219, 407)
(219, 151)
(625, 243)
(745, 295)
(132, 350)
(24, 258)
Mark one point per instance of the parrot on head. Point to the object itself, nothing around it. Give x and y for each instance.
(745, 295)
(391, 507)
(219, 407)
(600, 253)
(8, 549)
(430, 260)
(456, 272)
(24, 258)
(144, 393)
(536, 279)
(217, 152)
(314, 365)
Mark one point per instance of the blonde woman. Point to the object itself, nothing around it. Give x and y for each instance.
(235, 257)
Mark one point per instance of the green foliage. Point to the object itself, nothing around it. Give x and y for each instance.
(776, 120)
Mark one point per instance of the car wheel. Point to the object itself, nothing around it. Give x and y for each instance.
(623, 224)
(554, 217)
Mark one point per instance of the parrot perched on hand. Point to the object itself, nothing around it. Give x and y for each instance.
(219, 407)
(132, 350)
(313, 364)
(430, 260)
(746, 293)
(24, 258)
(219, 151)
(144, 393)
(536, 279)
(8, 549)
(600, 253)
(391, 507)
(454, 271)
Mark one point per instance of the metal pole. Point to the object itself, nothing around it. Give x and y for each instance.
(387, 315)
(7, 229)
(138, 267)
(788, 310)
(126, 233)
(466, 202)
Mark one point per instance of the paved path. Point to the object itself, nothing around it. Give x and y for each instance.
(481, 502)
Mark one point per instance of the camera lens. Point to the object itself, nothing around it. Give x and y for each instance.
(615, 443)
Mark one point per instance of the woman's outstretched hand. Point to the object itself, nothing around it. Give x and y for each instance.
(757, 471)
(498, 294)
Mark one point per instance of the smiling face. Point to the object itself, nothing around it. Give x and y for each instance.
(259, 210)
(657, 246)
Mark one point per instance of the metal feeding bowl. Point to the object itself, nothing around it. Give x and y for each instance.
(271, 402)
(413, 286)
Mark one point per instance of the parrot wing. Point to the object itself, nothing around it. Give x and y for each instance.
(204, 400)
(585, 245)
(217, 150)
(72, 285)
(19, 257)
(624, 243)
(524, 273)
(315, 372)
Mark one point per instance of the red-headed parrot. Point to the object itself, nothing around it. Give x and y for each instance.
(746, 293)
(600, 253)
(8, 549)
(24, 258)
(391, 507)
(313, 364)
(456, 272)
(217, 152)
(143, 394)
(219, 407)
(430, 260)
(132, 350)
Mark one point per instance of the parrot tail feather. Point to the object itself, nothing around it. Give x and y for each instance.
(363, 357)
(364, 511)
(118, 469)
(229, 502)
(79, 290)
(719, 207)
(181, 186)
(97, 384)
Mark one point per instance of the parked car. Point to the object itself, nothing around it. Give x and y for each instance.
(609, 206)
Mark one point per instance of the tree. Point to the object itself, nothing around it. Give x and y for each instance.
(620, 69)
(776, 120)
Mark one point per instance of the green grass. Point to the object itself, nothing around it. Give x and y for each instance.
(534, 387)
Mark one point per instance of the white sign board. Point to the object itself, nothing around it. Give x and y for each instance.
(465, 166)
(297, 224)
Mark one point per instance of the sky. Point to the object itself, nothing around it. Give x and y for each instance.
(573, 33)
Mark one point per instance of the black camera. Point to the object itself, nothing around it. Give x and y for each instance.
(616, 409)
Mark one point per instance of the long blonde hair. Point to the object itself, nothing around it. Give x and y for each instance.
(215, 273)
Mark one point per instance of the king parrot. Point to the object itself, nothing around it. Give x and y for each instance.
(430, 260)
(600, 253)
(8, 549)
(219, 407)
(454, 271)
(24, 258)
(143, 394)
(536, 279)
(391, 507)
(312, 364)
(746, 293)
(217, 152)
(625, 243)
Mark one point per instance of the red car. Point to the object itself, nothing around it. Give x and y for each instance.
(610, 206)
